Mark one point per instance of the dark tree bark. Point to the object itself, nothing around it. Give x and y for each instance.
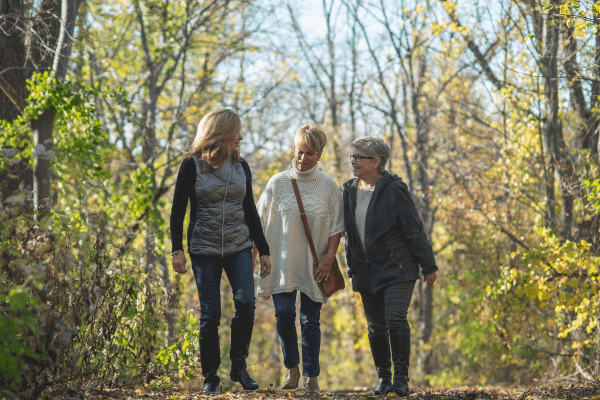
(13, 62)
(42, 139)
(35, 44)
(556, 156)
(25, 50)
(42, 127)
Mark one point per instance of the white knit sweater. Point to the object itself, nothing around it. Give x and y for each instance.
(291, 259)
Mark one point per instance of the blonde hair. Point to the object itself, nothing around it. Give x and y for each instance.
(313, 136)
(210, 145)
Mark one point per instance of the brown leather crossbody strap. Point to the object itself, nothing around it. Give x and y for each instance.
(305, 222)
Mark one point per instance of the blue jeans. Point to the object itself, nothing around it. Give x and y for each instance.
(310, 313)
(208, 271)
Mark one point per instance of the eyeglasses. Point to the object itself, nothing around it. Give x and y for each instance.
(354, 157)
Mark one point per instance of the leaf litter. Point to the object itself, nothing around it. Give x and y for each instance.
(584, 391)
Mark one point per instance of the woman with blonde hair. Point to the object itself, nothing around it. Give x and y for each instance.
(224, 222)
(292, 270)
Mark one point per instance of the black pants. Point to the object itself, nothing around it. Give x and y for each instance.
(388, 308)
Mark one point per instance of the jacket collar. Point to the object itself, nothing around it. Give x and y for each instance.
(351, 186)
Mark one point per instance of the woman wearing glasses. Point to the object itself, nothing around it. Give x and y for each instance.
(292, 263)
(385, 244)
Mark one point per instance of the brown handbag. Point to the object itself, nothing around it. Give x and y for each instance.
(336, 280)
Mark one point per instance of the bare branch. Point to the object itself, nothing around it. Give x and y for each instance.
(12, 94)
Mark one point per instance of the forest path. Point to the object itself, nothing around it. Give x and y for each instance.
(583, 391)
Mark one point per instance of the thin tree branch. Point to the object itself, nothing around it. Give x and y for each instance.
(12, 94)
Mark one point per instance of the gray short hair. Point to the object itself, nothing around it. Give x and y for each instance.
(373, 147)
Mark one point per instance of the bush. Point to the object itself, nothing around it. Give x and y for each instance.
(69, 313)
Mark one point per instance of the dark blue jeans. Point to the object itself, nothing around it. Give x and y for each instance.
(208, 272)
(310, 313)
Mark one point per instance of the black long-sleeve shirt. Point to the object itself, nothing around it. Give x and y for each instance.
(185, 190)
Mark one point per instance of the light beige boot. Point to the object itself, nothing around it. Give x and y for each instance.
(291, 378)
(311, 385)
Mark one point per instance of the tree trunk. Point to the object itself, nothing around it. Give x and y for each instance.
(149, 112)
(42, 127)
(68, 15)
(25, 49)
(424, 293)
(556, 156)
(13, 60)
(172, 297)
(42, 139)
(424, 309)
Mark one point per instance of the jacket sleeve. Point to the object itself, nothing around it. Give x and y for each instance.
(252, 217)
(346, 239)
(183, 189)
(348, 257)
(413, 231)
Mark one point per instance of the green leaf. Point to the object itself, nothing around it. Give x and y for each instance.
(46, 222)
(17, 299)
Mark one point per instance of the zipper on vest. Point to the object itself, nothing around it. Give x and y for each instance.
(223, 222)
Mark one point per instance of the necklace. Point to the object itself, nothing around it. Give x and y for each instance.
(365, 189)
(364, 193)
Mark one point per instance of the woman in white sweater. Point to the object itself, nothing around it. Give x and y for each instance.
(291, 259)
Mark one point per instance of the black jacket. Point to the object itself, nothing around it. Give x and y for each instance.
(395, 240)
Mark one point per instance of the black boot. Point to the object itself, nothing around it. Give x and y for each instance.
(400, 341)
(240, 344)
(380, 349)
(210, 359)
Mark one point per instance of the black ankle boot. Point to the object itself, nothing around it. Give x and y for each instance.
(210, 359)
(400, 343)
(240, 344)
(380, 350)
(211, 388)
(383, 386)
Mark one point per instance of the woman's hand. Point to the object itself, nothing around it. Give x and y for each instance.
(179, 261)
(324, 269)
(430, 278)
(265, 266)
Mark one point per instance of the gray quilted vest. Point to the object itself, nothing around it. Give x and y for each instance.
(220, 229)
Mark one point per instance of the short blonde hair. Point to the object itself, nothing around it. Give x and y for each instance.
(210, 144)
(313, 136)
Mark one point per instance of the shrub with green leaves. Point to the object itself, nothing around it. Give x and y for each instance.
(69, 312)
(75, 311)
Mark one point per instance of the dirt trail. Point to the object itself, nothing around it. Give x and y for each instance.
(584, 391)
